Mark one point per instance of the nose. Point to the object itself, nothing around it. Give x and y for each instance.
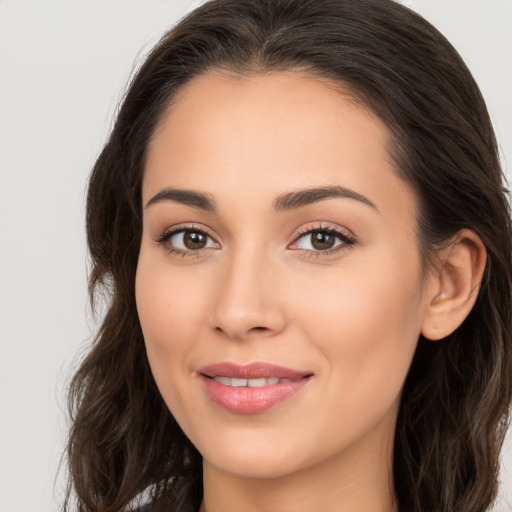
(248, 303)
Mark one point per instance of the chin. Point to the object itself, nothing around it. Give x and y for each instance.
(254, 468)
(258, 459)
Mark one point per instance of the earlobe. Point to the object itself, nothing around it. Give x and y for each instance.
(454, 285)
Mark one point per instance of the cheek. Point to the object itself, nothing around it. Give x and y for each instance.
(366, 322)
(171, 314)
(167, 303)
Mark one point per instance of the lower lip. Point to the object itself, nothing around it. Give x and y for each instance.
(245, 400)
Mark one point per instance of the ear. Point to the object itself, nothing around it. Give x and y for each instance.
(454, 286)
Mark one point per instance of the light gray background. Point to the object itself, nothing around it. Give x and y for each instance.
(63, 67)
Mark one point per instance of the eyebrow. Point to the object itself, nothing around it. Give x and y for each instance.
(285, 202)
(305, 197)
(187, 197)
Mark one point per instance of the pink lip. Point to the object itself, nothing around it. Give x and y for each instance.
(251, 400)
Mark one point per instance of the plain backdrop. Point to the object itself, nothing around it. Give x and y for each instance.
(63, 68)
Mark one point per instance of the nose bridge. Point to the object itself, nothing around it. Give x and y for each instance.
(247, 303)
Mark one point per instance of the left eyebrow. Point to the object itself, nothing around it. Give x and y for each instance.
(308, 196)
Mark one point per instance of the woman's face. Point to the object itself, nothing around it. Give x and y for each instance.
(279, 284)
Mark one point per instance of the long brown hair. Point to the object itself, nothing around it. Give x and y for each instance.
(124, 442)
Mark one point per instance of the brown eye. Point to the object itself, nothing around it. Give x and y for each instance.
(187, 241)
(321, 240)
(194, 240)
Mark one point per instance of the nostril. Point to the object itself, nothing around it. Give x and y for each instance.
(233, 333)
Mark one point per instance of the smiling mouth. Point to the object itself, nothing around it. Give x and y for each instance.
(251, 383)
(253, 388)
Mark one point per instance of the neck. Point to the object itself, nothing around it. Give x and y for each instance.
(358, 479)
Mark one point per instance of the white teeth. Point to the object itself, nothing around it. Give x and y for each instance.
(251, 383)
(258, 383)
(238, 383)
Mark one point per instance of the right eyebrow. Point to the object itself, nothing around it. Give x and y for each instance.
(187, 197)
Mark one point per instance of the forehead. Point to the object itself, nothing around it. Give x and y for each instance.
(227, 134)
(267, 101)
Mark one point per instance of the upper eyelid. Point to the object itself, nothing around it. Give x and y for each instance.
(323, 227)
(174, 230)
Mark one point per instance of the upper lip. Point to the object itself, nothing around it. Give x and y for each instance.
(251, 371)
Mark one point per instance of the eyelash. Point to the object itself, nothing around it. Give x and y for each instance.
(346, 241)
(168, 234)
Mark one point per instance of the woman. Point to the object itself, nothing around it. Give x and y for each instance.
(300, 218)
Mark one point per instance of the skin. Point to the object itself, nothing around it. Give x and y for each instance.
(260, 291)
